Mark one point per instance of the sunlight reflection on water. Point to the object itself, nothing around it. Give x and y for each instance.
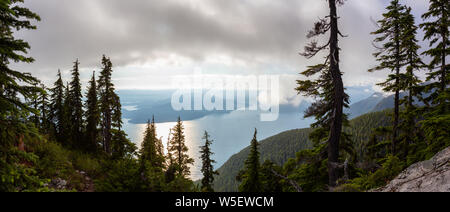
(231, 133)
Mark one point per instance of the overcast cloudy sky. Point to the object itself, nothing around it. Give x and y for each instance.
(151, 40)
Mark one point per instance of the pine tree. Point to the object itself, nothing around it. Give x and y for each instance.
(170, 161)
(437, 32)
(207, 165)
(270, 178)
(328, 88)
(409, 82)
(14, 18)
(32, 102)
(436, 123)
(391, 57)
(76, 104)
(121, 146)
(57, 108)
(13, 110)
(106, 102)
(409, 45)
(150, 149)
(116, 117)
(251, 179)
(66, 133)
(44, 109)
(92, 116)
(151, 160)
(178, 149)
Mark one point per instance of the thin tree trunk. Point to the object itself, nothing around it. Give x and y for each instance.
(336, 125)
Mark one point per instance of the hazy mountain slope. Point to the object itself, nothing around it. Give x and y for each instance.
(281, 147)
(365, 105)
(277, 148)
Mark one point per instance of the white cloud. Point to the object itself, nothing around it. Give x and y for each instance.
(150, 41)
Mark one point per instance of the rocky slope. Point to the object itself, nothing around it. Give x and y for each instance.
(428, 176)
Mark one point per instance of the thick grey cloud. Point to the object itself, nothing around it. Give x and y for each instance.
(220, 36)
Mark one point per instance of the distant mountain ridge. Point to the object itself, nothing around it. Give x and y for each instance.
(364, 106)
(145, 104)
(281, 147)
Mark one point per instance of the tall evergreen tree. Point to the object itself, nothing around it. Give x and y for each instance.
(178, 149)
(436, 123)
(57, 108)
(33, 103)
(106, 102)
(437, 32)
(328, 88)
(410, 47)
(44, 108)
(13, 110)
(150, 151)
(116, 118)
(207, 165)
(251, 179)
(66, 120)
(391, 57)
(92, 116)
(76, 104)
(409, 82)
(13, 18)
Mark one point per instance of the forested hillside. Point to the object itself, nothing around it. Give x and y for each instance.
(281, 147)
(55, 137)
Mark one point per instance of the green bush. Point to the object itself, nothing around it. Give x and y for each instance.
(53, 160)
(85, 162)
(391, 167)
(119, 176)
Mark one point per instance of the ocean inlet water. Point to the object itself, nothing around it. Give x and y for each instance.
(231, 133)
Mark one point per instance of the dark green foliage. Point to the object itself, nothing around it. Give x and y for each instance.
(106, 103)
(250, 176)
(391, 56)
(13, 18)
(437, 113)
(309, 170)
(92, 117)
(151, 160)
(151, 149)
(178, 150)
(66, 120)
(409, 130)
(207, 165)
(269, 179)
(15, 172)
(57, 108)
(119, 176)
(180, 184)
(44, 108)
(437, 32)
(121, 146)
(391, 167)
(76, 104)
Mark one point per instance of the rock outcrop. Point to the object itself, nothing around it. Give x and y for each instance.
(427, 176)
